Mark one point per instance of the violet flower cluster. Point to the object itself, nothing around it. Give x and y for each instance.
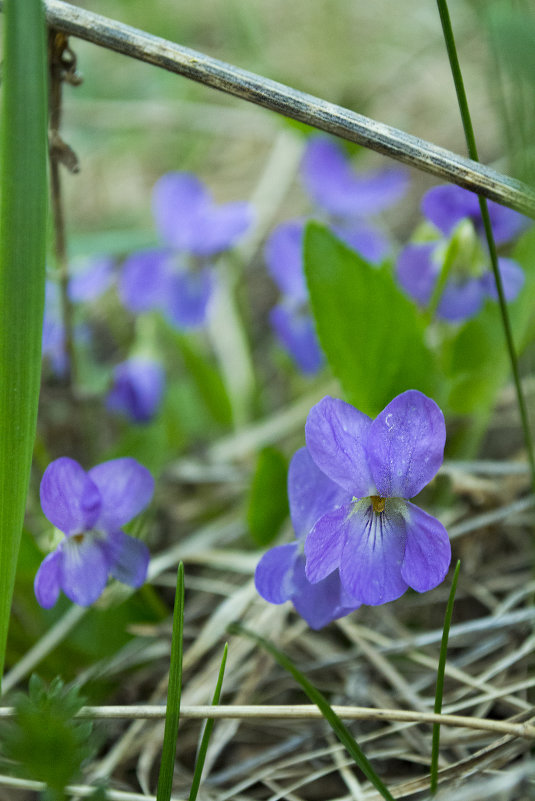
(350, 501)
(178, 278)
(347, 199)
(455, 215)
(91, 509)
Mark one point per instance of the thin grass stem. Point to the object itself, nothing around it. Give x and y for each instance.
(203, 749)
(439, 693)
(174, 691)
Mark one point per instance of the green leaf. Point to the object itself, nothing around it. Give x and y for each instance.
(174, 691)
(339, 728)
(22, 271)
(372, 335)
(268, 499)
(207, 380)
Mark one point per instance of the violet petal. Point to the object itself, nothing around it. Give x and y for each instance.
(319, 603)
(325, 542)
(295, 331)
(417, 272)
(137, 390)
(331, 182)
(370, 564)
(283, 254)
(406, 445)
(47, 580)
(188, 219)
(179, 199)
(336, 435)
(126, 487)
(427, 550)
(310, 492)
(188, 298)
(69, 498)
(513, 279)
(445, 206)
(461, 301)
(221, 228)
(90, 282)
(128, 558)
(84, 569)
(367, 241)
(144, 280)
(274, 573)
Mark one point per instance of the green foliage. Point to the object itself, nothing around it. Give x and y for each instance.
(268, 499)
(45, 738)
(22, 271)
(207, 380)
(372, 335)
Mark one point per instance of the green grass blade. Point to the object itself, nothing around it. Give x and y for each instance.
(440, 679)
(22, 271)
(341, 731)
(174, 689)
(199, 765)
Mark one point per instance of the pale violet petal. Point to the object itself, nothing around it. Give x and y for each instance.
(336, 436)
(406, 445)
(274, 573)
(427, 550)
(69, 498)
(310, 492)
(47, 580)
(325, 542)
(128, 558)
(126, 487)
(370, 565)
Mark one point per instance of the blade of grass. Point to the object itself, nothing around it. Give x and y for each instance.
(439, 692)
(472, 152)
(201, 757)
(22, 272)
(341, 731)
(174, 690)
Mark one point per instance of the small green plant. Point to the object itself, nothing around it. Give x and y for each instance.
(45, 739)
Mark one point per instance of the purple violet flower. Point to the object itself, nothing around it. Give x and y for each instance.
(280, 574)
(380, 542)
(445, 206)
(178, 279)
(455, 213)
(333, 185)
(89, 281)
(90, 509)
(291, 319)
(138, 386)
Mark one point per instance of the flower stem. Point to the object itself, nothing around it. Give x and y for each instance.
(472, 152)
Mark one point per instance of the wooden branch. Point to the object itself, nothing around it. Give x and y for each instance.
(284, 100)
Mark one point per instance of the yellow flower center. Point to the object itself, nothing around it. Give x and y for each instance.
(378, 503)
